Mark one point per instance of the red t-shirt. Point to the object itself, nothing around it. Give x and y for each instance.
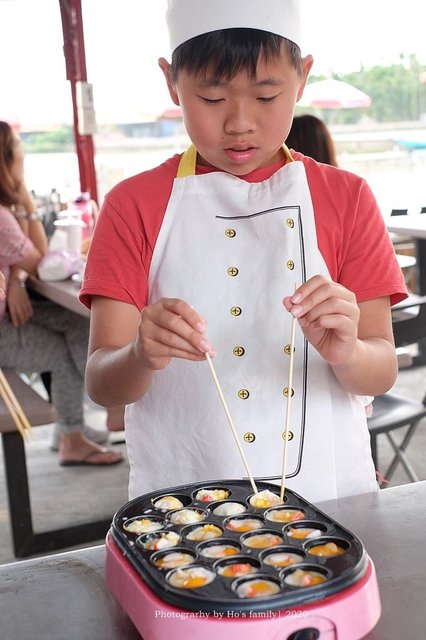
(351, 232)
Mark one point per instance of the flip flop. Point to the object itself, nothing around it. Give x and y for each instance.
(86, 460)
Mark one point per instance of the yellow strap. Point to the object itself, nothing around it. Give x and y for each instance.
(188, 161)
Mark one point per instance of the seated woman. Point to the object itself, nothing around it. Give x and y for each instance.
(310, 136)
(41, 336)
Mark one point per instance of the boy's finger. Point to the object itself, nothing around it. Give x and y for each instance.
(186, 312)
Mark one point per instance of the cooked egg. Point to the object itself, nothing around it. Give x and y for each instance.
(166, 503)
(143, 525)
(264, 499)
(190, 578)
(229, 509)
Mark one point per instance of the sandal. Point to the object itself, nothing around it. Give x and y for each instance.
(86, 461)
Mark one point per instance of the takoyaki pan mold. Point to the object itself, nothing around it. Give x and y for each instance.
(211, 546)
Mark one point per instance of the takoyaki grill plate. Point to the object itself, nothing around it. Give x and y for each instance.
(138, 522)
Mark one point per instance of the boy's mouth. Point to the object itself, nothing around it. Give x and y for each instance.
(240, 154)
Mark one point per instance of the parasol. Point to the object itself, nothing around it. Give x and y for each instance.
(333, 94)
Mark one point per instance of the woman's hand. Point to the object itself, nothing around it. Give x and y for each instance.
(328, 315)
(25, 199)
(2, 287)
(171, 328)
(18, 304)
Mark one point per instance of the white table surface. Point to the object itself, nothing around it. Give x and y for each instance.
(410, 225)
(63, 292)
(64, 596)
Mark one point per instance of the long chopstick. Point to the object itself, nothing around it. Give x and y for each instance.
(288, 406)
(231, 422)
(17, 413)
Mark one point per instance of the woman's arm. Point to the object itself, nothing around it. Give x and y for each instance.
(2, 286)
(31, 225)
(18, 301)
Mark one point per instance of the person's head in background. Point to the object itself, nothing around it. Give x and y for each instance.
(236, 72)
(310, 136)
(11, 165)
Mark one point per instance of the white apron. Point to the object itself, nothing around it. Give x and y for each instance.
(233, 250)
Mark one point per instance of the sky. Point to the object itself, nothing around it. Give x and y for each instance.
(125, 39)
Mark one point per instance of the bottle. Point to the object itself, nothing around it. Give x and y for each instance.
(87, 208)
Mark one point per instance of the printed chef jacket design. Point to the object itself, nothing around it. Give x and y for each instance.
(233, 250)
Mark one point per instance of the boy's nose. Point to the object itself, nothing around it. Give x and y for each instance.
(239, 120)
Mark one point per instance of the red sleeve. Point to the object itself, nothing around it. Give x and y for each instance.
(125, 235)
(352, 234)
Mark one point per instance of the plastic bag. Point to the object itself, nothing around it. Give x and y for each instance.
(59, 265)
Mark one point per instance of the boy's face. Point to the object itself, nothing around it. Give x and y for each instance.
(239, 125)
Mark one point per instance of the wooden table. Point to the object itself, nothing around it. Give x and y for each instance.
(64, 597)
(63, 292)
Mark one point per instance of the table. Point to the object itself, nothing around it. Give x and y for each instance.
(414, 226)
(63, 292)
(64, 597)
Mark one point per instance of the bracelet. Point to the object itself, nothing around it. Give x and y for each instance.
(32, 216)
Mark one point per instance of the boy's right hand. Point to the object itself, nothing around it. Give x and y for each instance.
(171, 328)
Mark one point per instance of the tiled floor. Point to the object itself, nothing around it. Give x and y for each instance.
(62, 496)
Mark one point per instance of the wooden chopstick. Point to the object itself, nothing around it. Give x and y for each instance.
(17, 413)
(231, 422)
(288, 406)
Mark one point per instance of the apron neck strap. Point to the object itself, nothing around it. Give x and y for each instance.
(188, 161)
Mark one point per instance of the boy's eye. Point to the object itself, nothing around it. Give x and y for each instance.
(211, 100)
(267, 98)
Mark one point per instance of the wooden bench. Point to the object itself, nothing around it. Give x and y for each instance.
(25, 541)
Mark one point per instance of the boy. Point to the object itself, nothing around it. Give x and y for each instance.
(196, 256)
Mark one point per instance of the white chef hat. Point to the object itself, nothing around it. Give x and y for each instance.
(187, 19)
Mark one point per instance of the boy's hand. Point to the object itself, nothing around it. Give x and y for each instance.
(328, 315)
(171, 328)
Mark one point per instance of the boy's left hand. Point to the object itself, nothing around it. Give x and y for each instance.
(328, 315)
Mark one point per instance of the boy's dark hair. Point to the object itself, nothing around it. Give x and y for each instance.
(226, 52)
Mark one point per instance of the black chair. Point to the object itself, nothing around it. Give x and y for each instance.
(399, 212)
(409, 320)
(423, 210)
(392, 411)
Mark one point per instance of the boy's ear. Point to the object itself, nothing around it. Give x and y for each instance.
(307, 63)
(165, 68)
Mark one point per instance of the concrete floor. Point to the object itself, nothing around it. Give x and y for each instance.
(71, 495)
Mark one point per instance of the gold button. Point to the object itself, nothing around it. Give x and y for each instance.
(238, 351)
(285, 392)
(243, 394)
(290, 223)
(287, 349)
(290, 265)
(290, 435)
(236, 311)
(232, 271)
(249, 437)
(230, 233)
